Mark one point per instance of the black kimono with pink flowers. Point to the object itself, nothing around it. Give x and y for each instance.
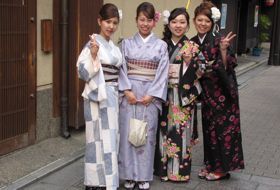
(177, 124)
(220, 109)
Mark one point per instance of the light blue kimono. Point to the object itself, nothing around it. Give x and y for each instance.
(137, 163)
(101, 113)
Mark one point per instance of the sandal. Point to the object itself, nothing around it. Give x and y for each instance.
(203, 173)
(164, 179)
(129, 184)
(143, 185)
(216, 177)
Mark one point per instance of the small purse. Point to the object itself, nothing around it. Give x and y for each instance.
(138, 130)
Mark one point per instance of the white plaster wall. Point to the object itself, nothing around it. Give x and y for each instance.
(44, 61)
(127, 26)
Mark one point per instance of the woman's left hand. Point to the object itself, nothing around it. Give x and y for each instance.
(225, 41)
(146, 100)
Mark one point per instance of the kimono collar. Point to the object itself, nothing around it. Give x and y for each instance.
(107, 44)
(201, 39)
(147, 38)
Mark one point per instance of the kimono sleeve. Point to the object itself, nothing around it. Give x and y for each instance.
(124, 83)
(158, 87)
(87, 67)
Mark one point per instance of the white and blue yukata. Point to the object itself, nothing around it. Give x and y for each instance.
(144, 72)
(101, 111)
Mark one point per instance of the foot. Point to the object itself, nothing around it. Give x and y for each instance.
(129, 184)
(203, 173)
(144, 185)
(214, 176)
(164, 179)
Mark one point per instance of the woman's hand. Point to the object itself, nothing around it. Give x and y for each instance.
(225, 41)
(94, 47)
(146, 100)
(131, 98)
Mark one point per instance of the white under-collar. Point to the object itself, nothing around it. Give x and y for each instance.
(201, 39)
(174, 43)
(147, 38)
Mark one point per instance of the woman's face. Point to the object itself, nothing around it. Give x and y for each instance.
(145, 25)
(108, 27)
(202, 24)
(178, 26)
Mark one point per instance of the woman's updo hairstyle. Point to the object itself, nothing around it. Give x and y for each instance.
(109, 11)
(204, 9)
(147, 9)
(174, 13)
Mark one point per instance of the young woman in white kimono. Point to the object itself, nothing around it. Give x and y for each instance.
(98, 65)
(143, 82)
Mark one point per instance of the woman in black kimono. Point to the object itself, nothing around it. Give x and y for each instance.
(177, 132)
(219, 98)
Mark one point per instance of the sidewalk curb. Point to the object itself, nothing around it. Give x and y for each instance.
(250, 66)
(44, 171)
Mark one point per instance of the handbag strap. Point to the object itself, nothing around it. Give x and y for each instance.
(134, 111)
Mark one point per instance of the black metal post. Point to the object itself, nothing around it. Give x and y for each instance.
(64, 69)
(274, 58)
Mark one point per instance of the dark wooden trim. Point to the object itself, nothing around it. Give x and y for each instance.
(32, 68)
(56, 58)
(14, 143)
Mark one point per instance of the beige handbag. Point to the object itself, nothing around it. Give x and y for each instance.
(138, 130)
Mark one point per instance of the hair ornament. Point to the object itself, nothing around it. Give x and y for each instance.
(188, 4)
(120, 14)
(215, 15)
(165, 15)
(157, 16)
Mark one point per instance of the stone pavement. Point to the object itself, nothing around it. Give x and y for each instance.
(260, 120)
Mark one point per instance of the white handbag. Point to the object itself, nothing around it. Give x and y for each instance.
(137, 130)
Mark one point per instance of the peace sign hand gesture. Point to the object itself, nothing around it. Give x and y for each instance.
(94, 47)
(225, 41)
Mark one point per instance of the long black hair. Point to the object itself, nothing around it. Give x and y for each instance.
(174, 13)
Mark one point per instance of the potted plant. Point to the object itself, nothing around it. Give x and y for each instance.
(264, 24)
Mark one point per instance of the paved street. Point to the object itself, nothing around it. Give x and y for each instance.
(260, 118)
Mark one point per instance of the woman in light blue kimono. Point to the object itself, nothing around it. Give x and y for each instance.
(98, 65)
(143, 83)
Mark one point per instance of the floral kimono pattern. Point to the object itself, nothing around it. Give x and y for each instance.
(177, 124)
(220, 109)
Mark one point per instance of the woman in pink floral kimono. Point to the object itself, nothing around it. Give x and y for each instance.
(177, 129)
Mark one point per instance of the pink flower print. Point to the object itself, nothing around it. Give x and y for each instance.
(217, 93)
(175, 109)
(164, 159)
(186, 86)
(227, 138)
(222, 98)
(178, 57)
(236, 121)
(231, 118)
(214, 50)
(179, 45)
(163, 123)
